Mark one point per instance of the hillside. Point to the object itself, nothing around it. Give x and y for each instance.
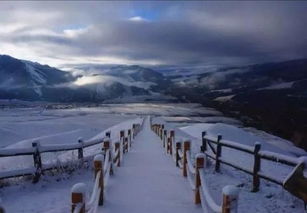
(271, 96)
(31, 81)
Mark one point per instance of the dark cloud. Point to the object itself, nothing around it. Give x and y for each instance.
(165, 32)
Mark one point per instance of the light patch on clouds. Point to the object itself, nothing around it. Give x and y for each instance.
(137, 19)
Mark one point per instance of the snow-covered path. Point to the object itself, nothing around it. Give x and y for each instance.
(148, 181)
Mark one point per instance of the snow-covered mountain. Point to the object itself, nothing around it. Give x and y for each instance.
(269, 96)
(27, 80)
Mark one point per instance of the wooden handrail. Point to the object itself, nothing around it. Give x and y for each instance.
(102, 168)
(230, 193)
(36, 150)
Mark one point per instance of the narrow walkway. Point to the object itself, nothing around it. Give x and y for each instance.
(148, 181)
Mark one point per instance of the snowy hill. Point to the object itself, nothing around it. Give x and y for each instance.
(27, 80)
(269, 96)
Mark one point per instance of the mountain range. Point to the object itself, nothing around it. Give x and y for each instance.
(31, 81)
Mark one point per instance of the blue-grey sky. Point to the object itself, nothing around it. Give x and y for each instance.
(153, 33)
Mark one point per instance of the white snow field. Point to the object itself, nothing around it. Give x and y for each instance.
(148, 180)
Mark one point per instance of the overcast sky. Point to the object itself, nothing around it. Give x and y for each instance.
(139, 32)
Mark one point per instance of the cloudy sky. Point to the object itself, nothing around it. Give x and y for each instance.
(140, 32)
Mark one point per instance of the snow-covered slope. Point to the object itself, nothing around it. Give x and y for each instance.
(19, 78)
(27, 80)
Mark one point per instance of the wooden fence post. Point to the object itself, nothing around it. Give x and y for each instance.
(178, 147)
(106, 146)
(98, 168)
(199, 164)
(80, 150)
(133, 131)
(78, 192)
(218, 153)
(170, 145)
(230, 199)
(37, 162)
(117, 147)
(126, 145)
(164, 138)
(257, 165)
(203, 147)
(186, 148)
(172, 136)
(161, 132)
(129, 135)
(121, 134)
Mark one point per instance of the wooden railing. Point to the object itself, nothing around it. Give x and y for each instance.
(196, 174)
(212, 147)
(37, 150)
(103, 168)
(295, 182)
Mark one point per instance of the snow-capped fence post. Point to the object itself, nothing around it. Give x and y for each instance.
(117, 147)
(178, 147)
(121, 134)
(218, 153)
(257, 165)
(37, 162)
(200, 162)
(203, 147)
(78, 197)
(106, 146)
(186, 148)
(122, 140)
(98, 168)
(129, 135)
(164, 137)
(230, 199)
(80, 149)
(169, 142)
(161, 131)
(133, 131)
(126, 147)
(172, 136)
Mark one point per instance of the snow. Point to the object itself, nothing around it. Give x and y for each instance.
(208, 118)
(99, 157)
(284, 85)
(224, 98)
(230, 190)
(79, 188)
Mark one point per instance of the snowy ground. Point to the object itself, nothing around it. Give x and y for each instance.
(19, 127)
